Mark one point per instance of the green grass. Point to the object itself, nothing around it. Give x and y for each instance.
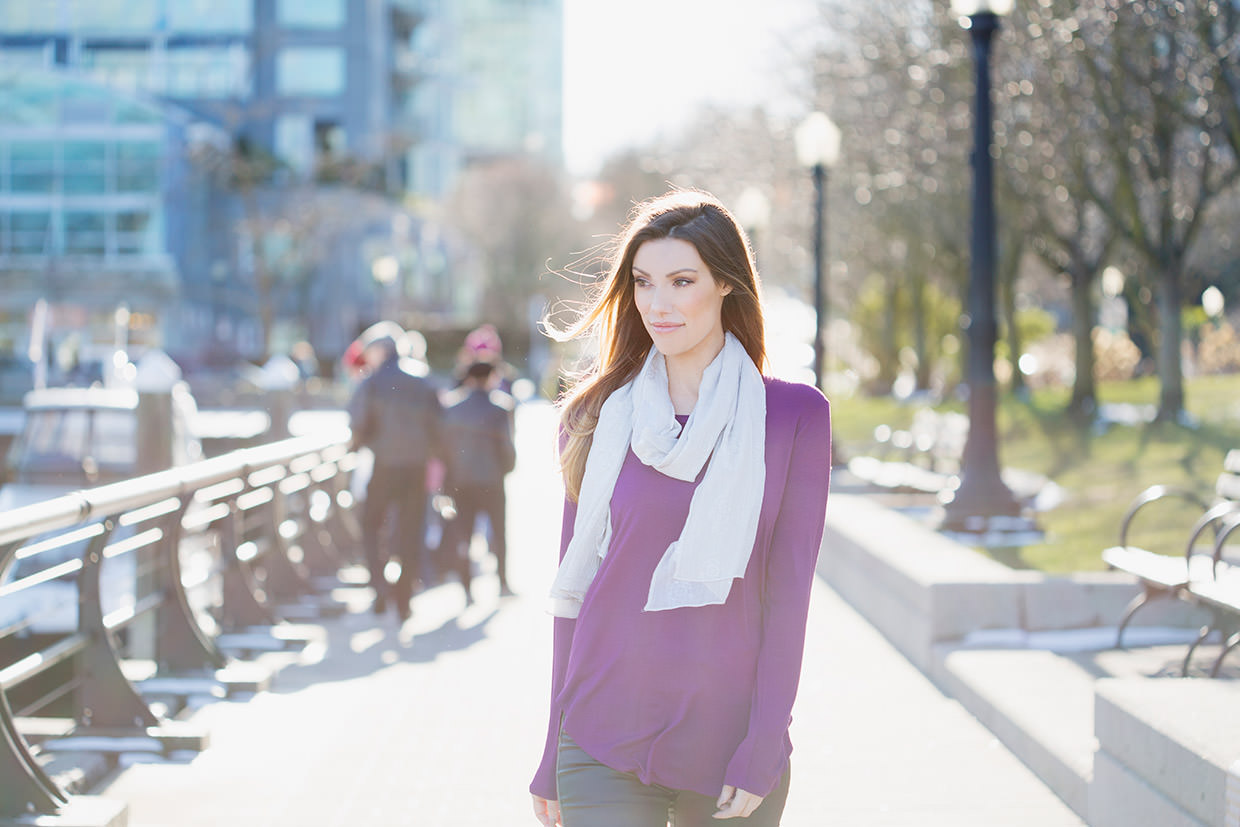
(1100, 473)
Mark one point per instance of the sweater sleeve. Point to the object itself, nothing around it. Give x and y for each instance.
(759, 761)
(543, 784)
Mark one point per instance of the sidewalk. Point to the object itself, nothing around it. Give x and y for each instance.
(440, 723)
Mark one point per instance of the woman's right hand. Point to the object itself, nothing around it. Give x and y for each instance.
(548, 812)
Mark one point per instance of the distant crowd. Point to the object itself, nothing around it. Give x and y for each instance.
(438, 460)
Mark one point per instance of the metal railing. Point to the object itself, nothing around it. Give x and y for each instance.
(146, 575)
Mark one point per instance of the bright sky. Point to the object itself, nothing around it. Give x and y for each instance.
(638, 69)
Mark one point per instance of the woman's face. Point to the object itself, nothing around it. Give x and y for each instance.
(680, 302)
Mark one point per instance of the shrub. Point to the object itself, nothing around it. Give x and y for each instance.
(1219, 349)
(1115, 356)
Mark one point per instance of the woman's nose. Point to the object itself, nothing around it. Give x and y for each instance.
(660, 299)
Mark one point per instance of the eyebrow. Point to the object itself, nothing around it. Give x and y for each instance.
(673, 273)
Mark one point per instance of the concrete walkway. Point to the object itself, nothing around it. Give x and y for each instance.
(441, 722)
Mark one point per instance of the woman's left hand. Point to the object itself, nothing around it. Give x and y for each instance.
(734, 803)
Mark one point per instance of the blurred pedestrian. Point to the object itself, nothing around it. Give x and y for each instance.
(696, 492)
(483, 344)
(411, 347)
(397, 416)
(478, 454)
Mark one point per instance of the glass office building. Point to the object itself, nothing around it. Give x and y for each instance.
(94, 185)
(99, 173)
(298, 78)
(394, 95)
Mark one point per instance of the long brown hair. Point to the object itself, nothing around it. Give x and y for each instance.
(623, 343)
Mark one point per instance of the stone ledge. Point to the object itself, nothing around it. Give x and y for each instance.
(920, 588)
(975, 627)
(916, 586)
(1178, 735)
(1121, 799)
(1233, 796)
(1037, 703)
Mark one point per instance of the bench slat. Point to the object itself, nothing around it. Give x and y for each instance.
(1161, 569)
(1223, 593)
(1228, 486)
(1231, 462)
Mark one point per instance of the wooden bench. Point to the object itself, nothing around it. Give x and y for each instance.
(1203, 574)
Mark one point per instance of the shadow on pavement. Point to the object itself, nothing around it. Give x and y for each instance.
(359, 644)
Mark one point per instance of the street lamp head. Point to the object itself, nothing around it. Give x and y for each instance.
(968, 8)
(753, 209)
(817, 141)
(385, 269)
(1212, 302)
(1112, 281)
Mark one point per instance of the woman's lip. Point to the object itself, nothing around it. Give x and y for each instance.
(664, 327)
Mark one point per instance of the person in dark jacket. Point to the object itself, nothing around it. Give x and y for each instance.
(397, 415)
(479, 454)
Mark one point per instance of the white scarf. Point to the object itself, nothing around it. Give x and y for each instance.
(718, 536)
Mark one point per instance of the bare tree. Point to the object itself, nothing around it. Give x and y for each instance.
(1166, 158)
(895, 76)
(515, 212)
(1048, 132)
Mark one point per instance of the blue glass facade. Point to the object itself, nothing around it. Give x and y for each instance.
(94, 189)
(111, 179)
(121, 160)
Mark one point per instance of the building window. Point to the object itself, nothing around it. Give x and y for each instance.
(21, 18)
(210, 15)
(137, 166)
(312, 71)
(29, 232)
(25, 56)
(311, 14)
(329, 139)
(34, 104)
(123, 68)
(294, 142)
(137, 233)
(207, 72)
(85, 233)
(107, 15)
(83, 104)
(32, 166)
(85, 167)
(132, 112)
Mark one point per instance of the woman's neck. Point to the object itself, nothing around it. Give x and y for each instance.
(684, 393)
(684, 377)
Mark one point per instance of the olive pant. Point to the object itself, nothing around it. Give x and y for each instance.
(594, 795)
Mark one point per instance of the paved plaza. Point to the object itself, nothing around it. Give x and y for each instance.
(440, 722)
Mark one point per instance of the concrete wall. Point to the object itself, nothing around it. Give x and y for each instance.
(1119, 751)
(920, 588)
(1165, 746)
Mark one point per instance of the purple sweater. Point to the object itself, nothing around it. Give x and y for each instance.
(696, 698)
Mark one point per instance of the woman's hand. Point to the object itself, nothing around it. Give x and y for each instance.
(734, 803)
(548, 812)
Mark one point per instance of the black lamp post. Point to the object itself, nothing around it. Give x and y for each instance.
(982, 492)
(818, 148)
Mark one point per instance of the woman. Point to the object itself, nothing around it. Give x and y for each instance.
(696, 492)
